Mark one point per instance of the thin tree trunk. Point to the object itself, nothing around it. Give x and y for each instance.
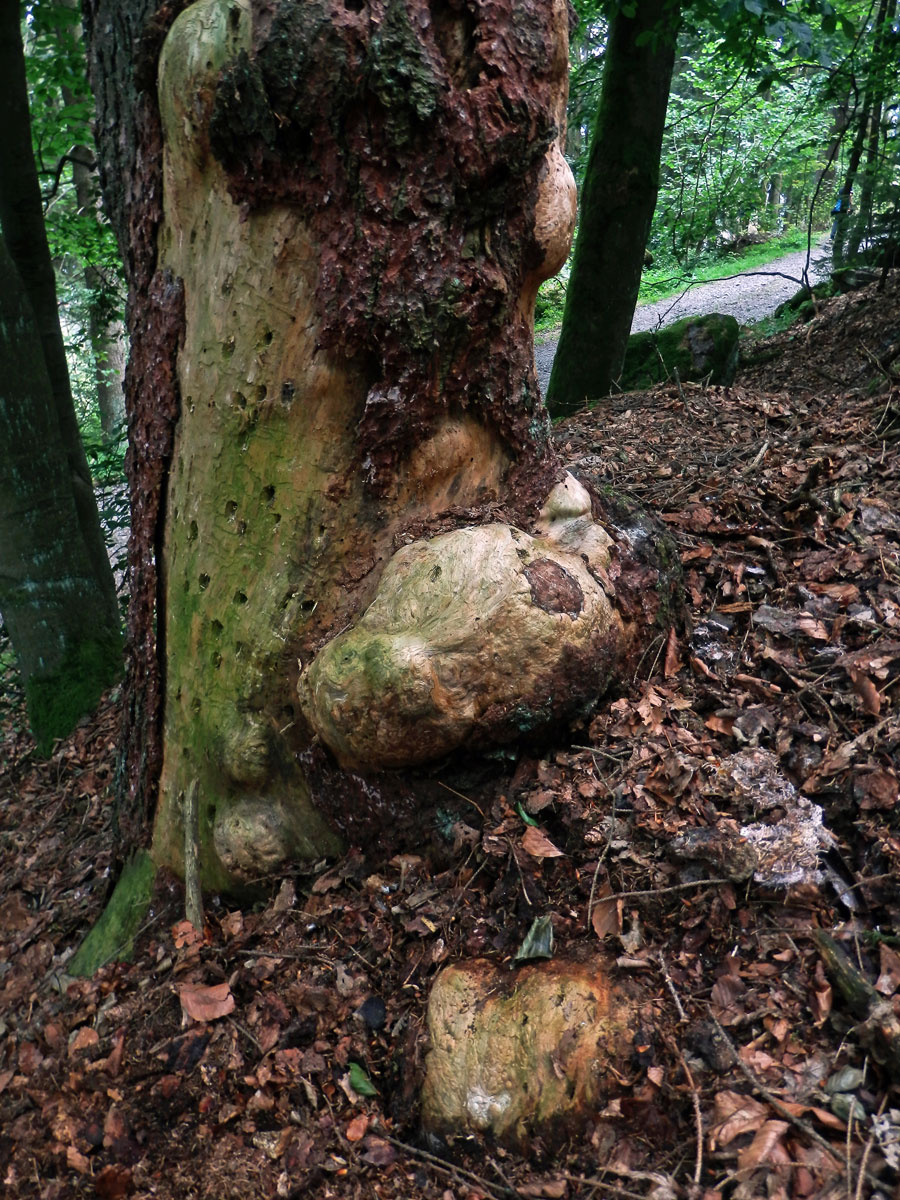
(106, 337)
(842, 236)
(617, 203)
(880, 67)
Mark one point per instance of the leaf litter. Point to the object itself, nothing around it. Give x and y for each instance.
(731, 804)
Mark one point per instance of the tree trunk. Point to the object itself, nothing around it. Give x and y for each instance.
(67, 644)
(882, 64)
(22, 220)
(617, 203)
(107, 337)
(66, 658)
(358, 205)
(843, 239)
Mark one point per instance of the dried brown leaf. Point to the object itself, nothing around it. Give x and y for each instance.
(83, 1039)
(735, 1114)
(206, 1003)
(672, 663)
(866, 690)
(538, 845)
(356, 1130)
(77, 1161)
(606, 915)
(555, 1189)
(114, 1182)
(378, 1152)
(888, 980)
(760, 1150)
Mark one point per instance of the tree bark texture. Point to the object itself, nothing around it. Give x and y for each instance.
(64, 633)
(123, 43)
(339, 221)
(22, 222)
(617, 202)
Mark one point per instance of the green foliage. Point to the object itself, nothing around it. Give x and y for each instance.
(82, 244)
(551, 302)
(360, 1081)
(735, 159)
(749, 138)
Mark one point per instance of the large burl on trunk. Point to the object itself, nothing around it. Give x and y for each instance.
(370, 557)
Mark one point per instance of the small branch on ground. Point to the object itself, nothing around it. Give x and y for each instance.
(193, 897)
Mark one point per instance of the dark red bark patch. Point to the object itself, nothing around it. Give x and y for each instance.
(152, 401)
(553, 589)
(411, 134)
(570, 691)
(124, 44)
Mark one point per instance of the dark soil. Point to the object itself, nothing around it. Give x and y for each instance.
(729, 805)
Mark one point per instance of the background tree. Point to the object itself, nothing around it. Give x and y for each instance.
(712, 181)
(872, 71)
(617, 202)
(82, 244)
(57, 593)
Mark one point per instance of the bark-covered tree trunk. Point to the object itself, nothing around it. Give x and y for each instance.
(617, 202)
(105, 333)
(57, 593)
(866, 120)
(64, 633)
(339, 221)
(883, 68)
(22, 221)
(104, 328)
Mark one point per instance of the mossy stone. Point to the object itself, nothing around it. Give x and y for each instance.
(697, 347)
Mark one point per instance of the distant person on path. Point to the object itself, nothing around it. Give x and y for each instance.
(842, 204)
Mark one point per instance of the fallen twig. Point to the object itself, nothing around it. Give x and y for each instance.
(446, 1168)
(867, 1150)
(682, 1016)
(675, 887)
(193, 897)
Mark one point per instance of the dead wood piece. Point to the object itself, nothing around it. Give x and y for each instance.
(193, 897)
(879, 1027)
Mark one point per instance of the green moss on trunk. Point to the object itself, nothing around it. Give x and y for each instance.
(113, 935)
(56, 702)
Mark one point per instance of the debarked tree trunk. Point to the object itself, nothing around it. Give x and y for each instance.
(370, 557)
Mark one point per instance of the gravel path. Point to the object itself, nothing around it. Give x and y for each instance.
(749, 296)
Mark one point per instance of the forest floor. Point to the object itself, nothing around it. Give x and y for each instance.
(769, 719)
